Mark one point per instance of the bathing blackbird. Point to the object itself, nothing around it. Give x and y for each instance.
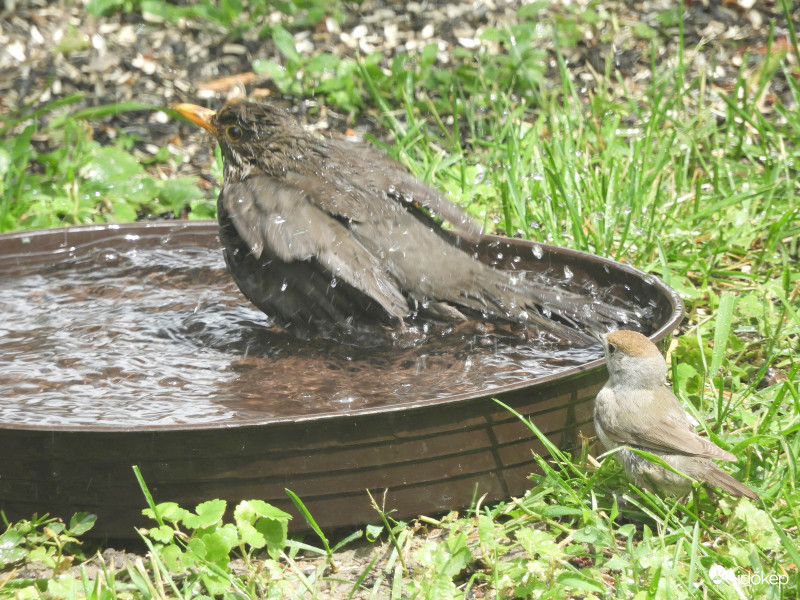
(329, 237)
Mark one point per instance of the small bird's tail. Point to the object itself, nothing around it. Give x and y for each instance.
(716, 477)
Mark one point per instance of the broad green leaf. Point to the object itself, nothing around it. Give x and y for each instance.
(217, 546)
(81, 522)
(110, 166)
(251, 536)
(208, 513)
(163, 534)
(10, 550)
(175, 559)
(284, 42)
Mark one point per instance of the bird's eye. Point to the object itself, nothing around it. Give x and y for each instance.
(234, 132)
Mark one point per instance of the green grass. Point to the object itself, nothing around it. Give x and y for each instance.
(75, 180)
(706, 200)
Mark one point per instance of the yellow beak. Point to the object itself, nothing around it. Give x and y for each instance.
(197, 114)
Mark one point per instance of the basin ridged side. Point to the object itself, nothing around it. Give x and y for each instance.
(430, 459)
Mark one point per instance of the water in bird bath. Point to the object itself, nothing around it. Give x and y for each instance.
(161, 337)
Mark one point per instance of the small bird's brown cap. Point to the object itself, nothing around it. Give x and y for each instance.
(632, 343)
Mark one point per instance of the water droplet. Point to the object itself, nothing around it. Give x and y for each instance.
(344, 398)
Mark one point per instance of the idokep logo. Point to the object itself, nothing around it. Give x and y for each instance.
(718, 574)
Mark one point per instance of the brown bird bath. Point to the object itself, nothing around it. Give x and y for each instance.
(130, 345)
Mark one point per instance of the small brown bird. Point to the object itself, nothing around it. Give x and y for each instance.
(328, 236)
(635, 408)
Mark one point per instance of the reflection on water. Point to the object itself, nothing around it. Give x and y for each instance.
(149, 336)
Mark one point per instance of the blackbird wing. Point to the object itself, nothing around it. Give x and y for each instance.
(363, 185)
(276, 215)
(351, 180)
(382, 258)
(666, 428)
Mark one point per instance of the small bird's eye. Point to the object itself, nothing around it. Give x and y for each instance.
(234, 132)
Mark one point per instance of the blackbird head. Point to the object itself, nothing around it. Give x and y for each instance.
(251, 136)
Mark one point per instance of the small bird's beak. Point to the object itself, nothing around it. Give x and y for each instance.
(197, 114)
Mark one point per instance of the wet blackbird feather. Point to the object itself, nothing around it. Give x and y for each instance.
(326, 235)
(267, 212)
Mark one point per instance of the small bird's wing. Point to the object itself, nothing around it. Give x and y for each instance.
(349, 177)
(655, 419)
(268, 212)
